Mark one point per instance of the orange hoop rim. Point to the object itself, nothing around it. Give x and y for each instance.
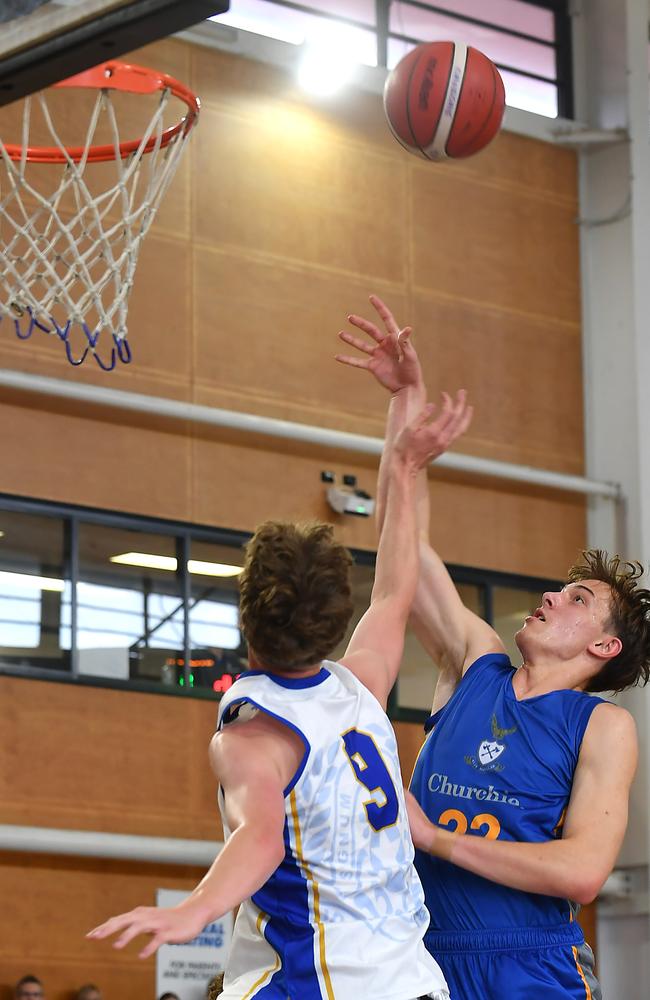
(129, 79)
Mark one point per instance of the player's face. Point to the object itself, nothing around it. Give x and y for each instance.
(568, 621)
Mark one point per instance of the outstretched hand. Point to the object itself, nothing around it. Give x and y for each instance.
(391, 358)
(165, 925)
(423, 440)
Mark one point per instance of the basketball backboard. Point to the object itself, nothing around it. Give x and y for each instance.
(42, 41)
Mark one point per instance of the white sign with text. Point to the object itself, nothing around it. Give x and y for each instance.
(186, 969)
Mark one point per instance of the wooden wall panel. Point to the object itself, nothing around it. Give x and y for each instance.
(493, 246)
(313, 200)
(94, 759)
(50, 902)
(64, 453)
(285, 216)
(288, 331)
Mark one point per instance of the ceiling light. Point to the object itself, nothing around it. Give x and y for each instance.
(200, 568)
(28, 582)
(328, 64)
(149, 560)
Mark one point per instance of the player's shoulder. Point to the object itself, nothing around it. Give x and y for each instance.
(249, 743)
(610, 735)
(613, 719)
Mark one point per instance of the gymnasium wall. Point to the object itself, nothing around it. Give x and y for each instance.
(285, 215)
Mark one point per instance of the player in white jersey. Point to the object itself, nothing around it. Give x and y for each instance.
(318, 848)
(345, 904)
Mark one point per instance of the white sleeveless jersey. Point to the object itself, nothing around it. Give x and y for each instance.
(343, 916)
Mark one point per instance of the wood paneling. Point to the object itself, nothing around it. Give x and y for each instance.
(285, 216)
(49, 904)
(93, 759)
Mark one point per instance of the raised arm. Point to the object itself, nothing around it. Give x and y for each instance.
(375, 650)
(452, 635)
(253, 762)
(576, 866)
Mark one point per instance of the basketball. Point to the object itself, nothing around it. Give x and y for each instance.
(444, 100)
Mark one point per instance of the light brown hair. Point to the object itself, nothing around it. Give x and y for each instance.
(215, 987)
(295, 596)
(629, 618)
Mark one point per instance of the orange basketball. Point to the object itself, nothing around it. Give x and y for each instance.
(444, 99)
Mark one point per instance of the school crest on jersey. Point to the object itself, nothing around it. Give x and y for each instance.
(489, 750)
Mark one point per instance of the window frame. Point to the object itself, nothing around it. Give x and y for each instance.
(562, 43)
(72, 516)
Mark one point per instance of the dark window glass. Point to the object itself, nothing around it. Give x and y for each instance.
(34, 592)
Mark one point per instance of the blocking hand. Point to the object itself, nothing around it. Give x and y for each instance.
(391, 358)
(425, 439)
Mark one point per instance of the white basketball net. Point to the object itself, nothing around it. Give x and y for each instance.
(70, 253)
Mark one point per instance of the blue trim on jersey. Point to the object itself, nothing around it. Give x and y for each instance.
(290, 682)
(276, 988)
(433, 719)
(284, 898)
(245, 700)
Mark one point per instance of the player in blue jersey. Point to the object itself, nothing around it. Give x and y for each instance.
(523, 779)
(318, 849)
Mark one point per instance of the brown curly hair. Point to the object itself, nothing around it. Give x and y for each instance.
(295, 597)
(629, 618)
(215, 987)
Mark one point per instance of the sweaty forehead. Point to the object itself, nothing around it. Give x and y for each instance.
(601, 591)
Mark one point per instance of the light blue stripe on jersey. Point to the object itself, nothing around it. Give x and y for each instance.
(289, 928)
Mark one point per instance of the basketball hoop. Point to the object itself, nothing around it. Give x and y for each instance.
(70, 245)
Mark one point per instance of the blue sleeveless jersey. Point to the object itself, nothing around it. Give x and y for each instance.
(496, 767)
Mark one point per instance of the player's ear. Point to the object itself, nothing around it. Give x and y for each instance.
(606, 648)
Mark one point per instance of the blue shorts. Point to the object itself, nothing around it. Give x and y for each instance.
(515, 964)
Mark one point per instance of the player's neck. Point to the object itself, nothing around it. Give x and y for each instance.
(256, 664)
(539, 676)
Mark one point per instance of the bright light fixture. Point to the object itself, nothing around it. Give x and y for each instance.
(328, 63)
(200, 568)
(149, 560)
(25, 581)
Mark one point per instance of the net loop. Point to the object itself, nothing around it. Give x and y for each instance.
(71, 245)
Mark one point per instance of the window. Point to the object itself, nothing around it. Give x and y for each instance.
(218, 652)
(118, 600)
(529, 40)
(34, 592)
(130, 609)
